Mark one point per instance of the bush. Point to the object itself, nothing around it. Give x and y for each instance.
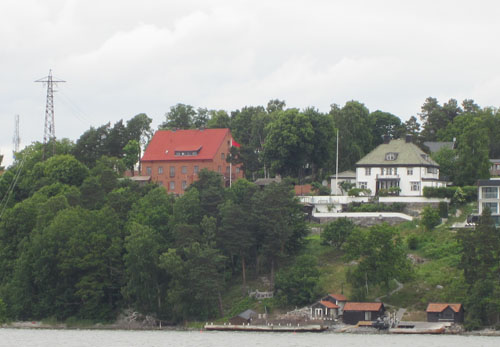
(443, 209)
(337, 232)
(3, 312)
(430, 218)
(375, 207)
(412, 242)
(470, 192)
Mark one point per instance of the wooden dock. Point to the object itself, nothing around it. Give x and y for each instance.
(268, 328)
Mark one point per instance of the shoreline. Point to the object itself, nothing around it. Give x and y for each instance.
(34, 325)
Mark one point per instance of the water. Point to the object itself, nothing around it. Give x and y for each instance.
(115, 338)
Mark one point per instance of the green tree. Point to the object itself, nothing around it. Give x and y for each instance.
(384, 123)
(473, 154)
(381, 257)
(447, 160)
(132, 151)
(430, 218)
(298, 284)
(289, 142)
(91, 145)
(180, 116)
(480, 262)
(337, 232)
(218, 119)
(355, 137)
(147, 283)
(65, 169)
(196, 281)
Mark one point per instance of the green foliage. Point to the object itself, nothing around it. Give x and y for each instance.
(470, 193)
(381, 257)
(443, 209)
(430, 217)
(346, 186)
(132, 150)
(3, 312)
(336, 233)
(358, 192)
(412, 242)
(320, 189)
(375, 207)
(65, 169)
(297, 285)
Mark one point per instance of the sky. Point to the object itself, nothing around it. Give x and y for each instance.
(124, 57)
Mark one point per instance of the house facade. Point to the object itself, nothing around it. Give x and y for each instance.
(495, 167)
(344, 176)
(337, 299)
(355, 312)
(489, 196)
(397, 167)
(174, 158)
(324, 309)
(443, 312)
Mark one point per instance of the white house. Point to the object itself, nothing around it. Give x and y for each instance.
(489, 196)
(399, 164)
(345, 176)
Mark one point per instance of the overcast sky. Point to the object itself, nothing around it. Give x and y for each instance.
(124, 57)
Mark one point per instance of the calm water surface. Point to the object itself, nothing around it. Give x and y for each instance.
(98, 338)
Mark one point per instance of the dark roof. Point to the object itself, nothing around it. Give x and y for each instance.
(436, 146)
(338, 297)
(363, 306)
(165, 143)
(248, 314)
(345, 174)
(440, 307)
(488, 183)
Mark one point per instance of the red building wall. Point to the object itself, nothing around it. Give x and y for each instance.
(184, 171)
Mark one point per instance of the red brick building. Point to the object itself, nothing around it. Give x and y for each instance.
(174, 158)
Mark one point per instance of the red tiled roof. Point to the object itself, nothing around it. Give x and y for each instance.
(362, 306)
(338, 297)
(440, 307)
(165, 142)
(328, 304)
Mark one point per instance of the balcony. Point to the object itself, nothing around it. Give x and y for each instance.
(388, 177)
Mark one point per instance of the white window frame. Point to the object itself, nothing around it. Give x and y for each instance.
(491, 194)
(415, 186)
(409, 171)
(368, 171)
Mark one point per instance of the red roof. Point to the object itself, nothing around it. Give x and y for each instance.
(165, 143)
(440, 307)
(328, 304)
(338, 297)
(362, 306)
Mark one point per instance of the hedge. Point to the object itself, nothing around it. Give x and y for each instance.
(470, 192)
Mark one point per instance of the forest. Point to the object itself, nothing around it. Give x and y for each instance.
(78, 240)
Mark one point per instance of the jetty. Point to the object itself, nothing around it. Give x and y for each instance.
(268, 328)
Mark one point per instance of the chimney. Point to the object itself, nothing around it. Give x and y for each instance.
(409, 138)
(387, 139)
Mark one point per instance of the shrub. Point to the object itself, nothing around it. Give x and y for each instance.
(337, 232)
(430, 218)
(443, 209)
(412, 242)
(470, 192)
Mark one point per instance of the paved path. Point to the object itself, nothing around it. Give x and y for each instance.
(399, 287)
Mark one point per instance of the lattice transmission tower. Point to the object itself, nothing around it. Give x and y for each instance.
(49, 134)
(16, 140)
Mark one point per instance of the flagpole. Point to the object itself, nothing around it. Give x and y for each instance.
(231, 166)
(337, 166)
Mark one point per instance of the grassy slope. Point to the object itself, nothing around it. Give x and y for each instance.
(438, 248)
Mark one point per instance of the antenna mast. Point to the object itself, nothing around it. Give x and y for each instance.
(50, 125)
(16, 140)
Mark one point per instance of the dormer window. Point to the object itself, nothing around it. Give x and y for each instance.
(181, 152)
(391, 156)
(425, 156)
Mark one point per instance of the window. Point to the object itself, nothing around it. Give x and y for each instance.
(184, 185)
(432, 170)
(219, 169)
(382, 171)
(184, 169)
(490, 192)
(391, 156)
(363, 185)
(160, 170)
(368, 171)
(395, 170)
(425, 156)
(148, 171)
(196, 169)
(222, 156)
(172, 185)
(492, 205)
(389, 170)
(172, 171)
(409, 171)
(228, 169)
(415, 186)
(237, 170)
(186, 153)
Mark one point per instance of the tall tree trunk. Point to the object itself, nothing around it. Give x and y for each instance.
(243, 272)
